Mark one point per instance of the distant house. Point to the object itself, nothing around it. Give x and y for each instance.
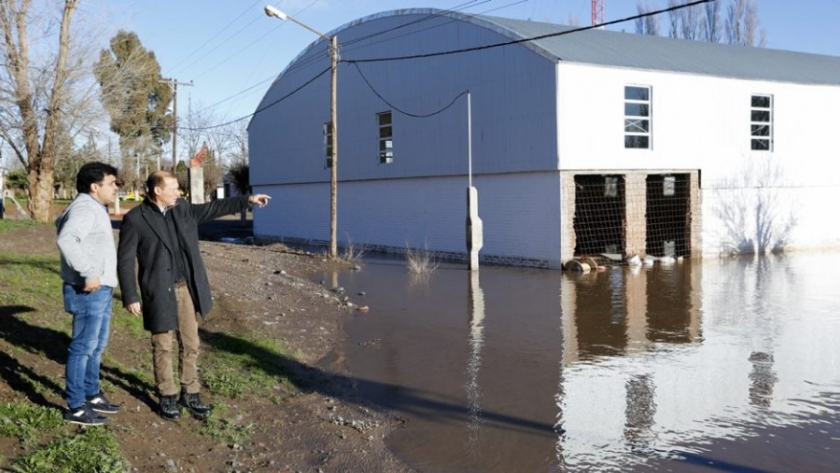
(583, 143)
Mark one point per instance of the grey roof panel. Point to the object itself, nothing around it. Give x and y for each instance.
(634, 51)
(629, 50)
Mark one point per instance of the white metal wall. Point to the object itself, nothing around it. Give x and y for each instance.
(703, 123)
(519, 213)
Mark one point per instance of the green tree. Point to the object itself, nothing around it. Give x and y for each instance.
(16, 180)
(136, 100)
(67, 168)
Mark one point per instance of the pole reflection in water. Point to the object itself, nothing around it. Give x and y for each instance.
(476, 340)
(659, 369)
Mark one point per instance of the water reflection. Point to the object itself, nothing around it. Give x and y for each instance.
(476, 340)
(619, 370)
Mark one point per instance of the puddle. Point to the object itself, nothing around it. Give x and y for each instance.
(731, 363)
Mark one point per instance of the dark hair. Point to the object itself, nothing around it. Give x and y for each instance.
(92, 173)
(156, 179)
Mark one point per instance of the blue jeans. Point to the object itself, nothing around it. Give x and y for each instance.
(91, 322)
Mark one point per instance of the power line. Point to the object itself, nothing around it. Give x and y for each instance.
(450, 52)
(300, 64)
(219, 32)
(261, 109)
(394, 107)
(533, 38)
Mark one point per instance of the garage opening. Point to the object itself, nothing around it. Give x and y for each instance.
(599, 214)
(668, 215)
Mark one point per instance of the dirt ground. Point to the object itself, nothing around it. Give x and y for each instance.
(318, 426)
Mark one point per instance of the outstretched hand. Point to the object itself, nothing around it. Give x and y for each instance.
(260, 200)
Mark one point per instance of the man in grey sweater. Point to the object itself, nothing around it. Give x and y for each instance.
(89, 272)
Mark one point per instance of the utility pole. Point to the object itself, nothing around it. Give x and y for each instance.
(174, 84)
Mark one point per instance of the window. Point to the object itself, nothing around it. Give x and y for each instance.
(669, 185)
(328, 143)
(386, 138)
(761, 122)
(637, 116)
(610, 186)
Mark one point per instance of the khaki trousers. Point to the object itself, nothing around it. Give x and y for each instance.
(187, 338)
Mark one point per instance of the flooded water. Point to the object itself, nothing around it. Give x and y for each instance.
(716, 366)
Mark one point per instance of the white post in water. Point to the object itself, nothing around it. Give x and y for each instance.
(475, 230)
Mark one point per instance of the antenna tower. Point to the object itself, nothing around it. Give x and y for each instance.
(597, 12)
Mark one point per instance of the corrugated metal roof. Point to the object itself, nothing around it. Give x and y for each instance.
(629, 50)
(612, 48)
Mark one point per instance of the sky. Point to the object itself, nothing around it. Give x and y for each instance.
(231, 51)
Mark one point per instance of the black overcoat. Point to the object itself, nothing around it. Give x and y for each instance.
(143, 239)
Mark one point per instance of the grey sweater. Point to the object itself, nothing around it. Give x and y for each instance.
(86, 243)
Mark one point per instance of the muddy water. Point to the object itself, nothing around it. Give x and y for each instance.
(723, 365)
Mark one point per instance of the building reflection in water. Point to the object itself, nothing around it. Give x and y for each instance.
(613, 323)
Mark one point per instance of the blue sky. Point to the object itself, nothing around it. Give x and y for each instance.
(232, 51)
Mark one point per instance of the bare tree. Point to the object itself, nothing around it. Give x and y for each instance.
(649, 24)
(703, 22)
(197, 129)
(742, 24)
(685, 22)
(711, 22)
(35, 94)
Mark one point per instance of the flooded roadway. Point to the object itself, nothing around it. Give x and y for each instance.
(730, 365)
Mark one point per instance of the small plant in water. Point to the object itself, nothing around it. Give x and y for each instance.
(351, 252)
(420, 261)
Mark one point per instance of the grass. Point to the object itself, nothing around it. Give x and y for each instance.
(27, 422)
(34, 324)
(96, 450)
(29, 279)
(351, 252)
(420, 261)
(222, 428)
(6, 225)
(244, 365)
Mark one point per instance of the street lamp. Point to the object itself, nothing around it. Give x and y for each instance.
(271, 11)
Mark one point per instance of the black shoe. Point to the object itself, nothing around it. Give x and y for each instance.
(100, 403)
(192, 401)
(83, 415)
(169, 408)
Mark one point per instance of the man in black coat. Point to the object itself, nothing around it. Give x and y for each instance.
(161, 236)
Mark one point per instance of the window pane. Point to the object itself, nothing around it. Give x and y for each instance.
(384, 118)
(385, 131)
(633, 141)
(760, 116)
(636, 109)
(669, 185)
(760, 130)
(761, 145)
(637, 93)
(633, 125)
(761, 101)
(611, 187)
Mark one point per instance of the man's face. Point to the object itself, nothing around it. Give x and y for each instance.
(168, 194)
(106, 190)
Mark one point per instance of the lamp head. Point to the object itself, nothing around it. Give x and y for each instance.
(271, 11)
